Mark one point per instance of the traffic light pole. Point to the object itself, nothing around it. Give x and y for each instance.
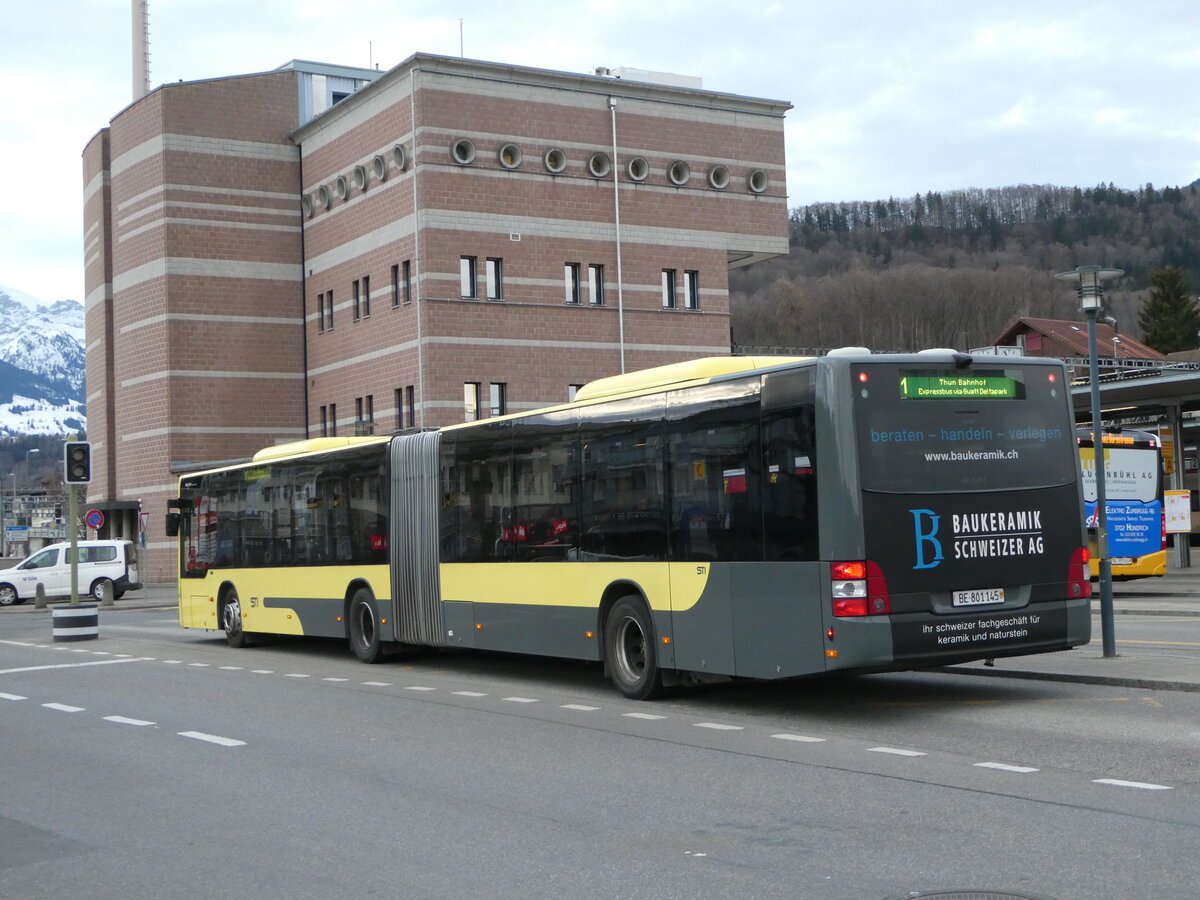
(73, 527)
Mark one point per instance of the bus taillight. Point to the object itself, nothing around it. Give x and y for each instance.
(1078, 575)
(859, 589)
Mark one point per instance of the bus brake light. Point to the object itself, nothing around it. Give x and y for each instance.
(859, 589)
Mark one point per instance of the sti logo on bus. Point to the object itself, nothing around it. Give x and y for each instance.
(925, 529)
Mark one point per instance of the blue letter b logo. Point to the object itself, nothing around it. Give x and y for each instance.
(925, 529)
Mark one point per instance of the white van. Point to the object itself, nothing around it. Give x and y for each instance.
(100, 563)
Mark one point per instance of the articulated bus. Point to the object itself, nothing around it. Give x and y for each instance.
(728, 517)
(1133, 500)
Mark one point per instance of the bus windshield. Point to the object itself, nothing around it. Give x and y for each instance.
(927, 431)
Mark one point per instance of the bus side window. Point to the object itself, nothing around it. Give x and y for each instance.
(790, 485)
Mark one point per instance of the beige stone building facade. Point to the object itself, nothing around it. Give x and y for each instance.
(321, 250)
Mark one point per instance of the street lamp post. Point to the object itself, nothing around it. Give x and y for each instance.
(1091, 296)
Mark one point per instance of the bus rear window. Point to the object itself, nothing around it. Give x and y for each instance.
(935, 430)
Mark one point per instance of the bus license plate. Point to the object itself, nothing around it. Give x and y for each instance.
(1122, 560)
(979, 597)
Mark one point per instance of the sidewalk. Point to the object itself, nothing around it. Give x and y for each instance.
(1136, 666)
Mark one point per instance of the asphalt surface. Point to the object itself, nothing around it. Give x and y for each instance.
(1150, 667)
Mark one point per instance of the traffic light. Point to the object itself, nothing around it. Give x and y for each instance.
(77, 462)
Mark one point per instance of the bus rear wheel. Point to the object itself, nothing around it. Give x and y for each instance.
(364, 627)
(629, 650)
(231, 620)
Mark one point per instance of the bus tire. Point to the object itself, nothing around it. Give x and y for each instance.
(231, 620)
(364, 627)
(629, 650)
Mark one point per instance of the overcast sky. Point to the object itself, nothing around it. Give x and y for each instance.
(891, 97)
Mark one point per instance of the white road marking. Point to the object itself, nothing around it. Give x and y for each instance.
(1133, 784)
(896, 751)
(335, 679)
(21, 643)
(122, 720)
(417, 687)
(12, 697)
(62, 707)
(579, 706)
(212, 738)
(78, 665)
(173, 662)
(800, 738)
(520, 699)
(296, 675)
(262, 671)
(199, 665)
(717, 726)
(376, 683)
(232, 668)
(1006, 767)
(642, 716)
(469, 694)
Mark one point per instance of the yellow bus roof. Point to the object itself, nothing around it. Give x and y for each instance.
(313, 445)
(692, 370)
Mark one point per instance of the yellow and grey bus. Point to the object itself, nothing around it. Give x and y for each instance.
(729, 517)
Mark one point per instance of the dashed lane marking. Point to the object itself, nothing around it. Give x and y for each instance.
(718, 726)
(125, 720)
(62, 707)
(12, 697)
(78, 665)
(1117, 782)
(896, 751)
(1006, 767)
(521, 699)
(212, 738)
(579, 706)
(647, 716)
(799, 738)
(470, 694)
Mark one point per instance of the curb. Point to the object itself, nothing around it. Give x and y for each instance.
(1149, 684)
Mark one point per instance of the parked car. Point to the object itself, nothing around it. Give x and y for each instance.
(100, 563)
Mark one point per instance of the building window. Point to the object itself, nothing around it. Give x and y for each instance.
(354, 301)
(366, 296)
(497, 398)
(406, 273)
(495, 279)
(333, 420)
(668, 288)
(466, 278)
(324, 421)
(398, 403)
(691, 290)
(320, 312)
(395, 286)
(572, 390)
(596, 285)
(411, 405)
(470, 401)
(370, 410)
(329, 310)
(571, 282)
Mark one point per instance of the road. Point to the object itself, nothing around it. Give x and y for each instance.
(159, 762)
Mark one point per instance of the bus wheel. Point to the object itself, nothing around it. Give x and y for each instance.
(364, 627)
(629, 650)
(231, 620)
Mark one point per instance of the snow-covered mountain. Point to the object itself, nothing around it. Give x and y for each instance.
(41, 365)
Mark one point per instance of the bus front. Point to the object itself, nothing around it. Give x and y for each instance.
(970, 542)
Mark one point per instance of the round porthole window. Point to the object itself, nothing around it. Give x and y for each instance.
(679, 173)
(555, 161)
(324, 199)
(510, 156)
(599, 164)
(463, 152)
(342, 186)
(360, 177)
(757, 181)
(399, 157)
(718, 177)
(379, 168)
(638, 168)
(306, 205)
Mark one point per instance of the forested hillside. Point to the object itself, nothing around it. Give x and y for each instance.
(952, 269)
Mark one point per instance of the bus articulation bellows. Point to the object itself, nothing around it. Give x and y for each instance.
(754, 517)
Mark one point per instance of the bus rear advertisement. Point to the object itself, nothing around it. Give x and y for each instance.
(756, 517)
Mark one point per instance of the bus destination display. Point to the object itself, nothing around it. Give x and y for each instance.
(954, 386)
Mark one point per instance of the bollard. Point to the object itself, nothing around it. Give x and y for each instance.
(106, 593)
(76, 622)
(39, 596)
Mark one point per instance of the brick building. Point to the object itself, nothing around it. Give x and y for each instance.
(321, 250)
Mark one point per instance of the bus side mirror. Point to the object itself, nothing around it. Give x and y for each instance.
(172, 524)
